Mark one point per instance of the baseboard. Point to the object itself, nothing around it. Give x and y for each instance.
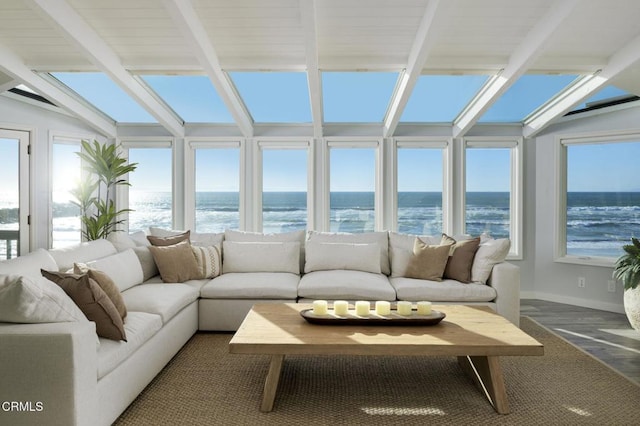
(576, 301)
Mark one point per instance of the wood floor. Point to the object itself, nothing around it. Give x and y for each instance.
(605, 335)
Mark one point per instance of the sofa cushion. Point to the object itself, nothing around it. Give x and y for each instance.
(24, 299)
(65, 257)
(330, 256)
(197, 238)
(428, 261)
(176, 262)
(165, 300)
(123, 268)
(258, 237)
(92, 301)
(148, 264)
(490, 253)
(106, 284)
(348, 285)
(460, 258)
(441, 291)
(170, 240)
(252, 285)
(140, 327)
(261, 257)
(381, 238)
(401, 250)
(29, 264)
(208, 259)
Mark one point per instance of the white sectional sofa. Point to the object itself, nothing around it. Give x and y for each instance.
(62, 374)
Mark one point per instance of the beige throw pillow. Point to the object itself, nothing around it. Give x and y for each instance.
(208, 260)
(92, 301)
(106, 284)
(460, 258)
(176, 262)
(170, 240)
(428, 261)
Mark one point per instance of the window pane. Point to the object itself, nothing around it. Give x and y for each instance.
(192, 97)
(104, 94)
(352, 190)
(440, 98)
(150, 194)
(603, 198)
(488, 187)
(357, 96)
(420, 191)
(217, 178)
(280, 97)
(609, 92)
(9, 197)
(66, 226)
(525, 96)
(284, 190)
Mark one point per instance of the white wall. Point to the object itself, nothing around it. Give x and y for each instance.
(559, 281)
(42, 124)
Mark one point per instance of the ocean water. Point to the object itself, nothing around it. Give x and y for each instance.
(598, 222)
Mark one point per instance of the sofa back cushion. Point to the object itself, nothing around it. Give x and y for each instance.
(65, 257)
(197, 238)
(258, 237)
(334, 256)
(261, 257)
(29, 264)
(381, 238)
(123, 268)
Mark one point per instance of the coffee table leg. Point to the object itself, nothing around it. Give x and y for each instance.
(271, 383)
(487, 374)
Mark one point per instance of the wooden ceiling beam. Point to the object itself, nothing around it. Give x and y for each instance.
(186, 18)
(94, 48)
(520, 60)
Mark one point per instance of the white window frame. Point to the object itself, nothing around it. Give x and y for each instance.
(330, 143)
(516, 185)
(62, 138)
(562, 142)
(281, 144)
(193, 143)
(446, 147)
(122, 191)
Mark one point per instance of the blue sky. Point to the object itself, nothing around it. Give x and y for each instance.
(347, 97)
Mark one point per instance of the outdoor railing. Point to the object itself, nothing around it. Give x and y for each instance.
(7, 237)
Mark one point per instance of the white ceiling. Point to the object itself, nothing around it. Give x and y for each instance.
(506, 37)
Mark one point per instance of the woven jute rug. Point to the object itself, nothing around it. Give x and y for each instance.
(205, 385)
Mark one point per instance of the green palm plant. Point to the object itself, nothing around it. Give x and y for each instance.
(627, 267)
(94, 195)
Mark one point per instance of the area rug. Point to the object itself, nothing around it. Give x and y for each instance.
(205, 385)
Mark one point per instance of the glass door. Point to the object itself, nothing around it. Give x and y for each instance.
(14, 193)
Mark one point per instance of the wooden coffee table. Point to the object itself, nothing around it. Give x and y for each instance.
(474, 334)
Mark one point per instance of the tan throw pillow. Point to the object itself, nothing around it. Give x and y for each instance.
(169, 241)
(428, 262)
(92, 301)
(460, 258)
(208, 260)
(176, 262)
(106, 284)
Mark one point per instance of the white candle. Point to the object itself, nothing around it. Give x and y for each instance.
(424, 308)
(362, 308)
(320, 307)
(404, 308)
(383, 307)
(341, 308)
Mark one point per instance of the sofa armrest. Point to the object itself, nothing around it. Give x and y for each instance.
(49, 373)
(505, 279)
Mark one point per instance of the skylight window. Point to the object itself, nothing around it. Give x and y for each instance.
(525, 96)
(354, 97)
(440, 98)
(104, 94)
(192, 97)
(274, 97)
(609, 92)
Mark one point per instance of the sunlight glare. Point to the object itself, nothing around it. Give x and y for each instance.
(403, 411)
